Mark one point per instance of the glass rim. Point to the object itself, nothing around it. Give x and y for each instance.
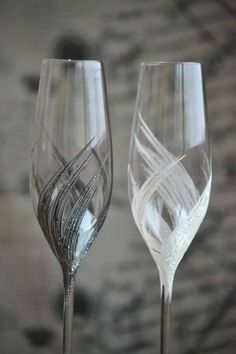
(72, 61)
(166, 62)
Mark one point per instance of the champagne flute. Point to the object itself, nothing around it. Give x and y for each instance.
(169, 171)
(71, 174)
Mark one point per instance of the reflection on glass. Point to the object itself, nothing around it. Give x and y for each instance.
(169, 168)
(71, 175)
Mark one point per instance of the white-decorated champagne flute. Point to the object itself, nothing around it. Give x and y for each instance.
(71, 173)
(169, 171)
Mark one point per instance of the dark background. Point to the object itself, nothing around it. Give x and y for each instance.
(117, 292)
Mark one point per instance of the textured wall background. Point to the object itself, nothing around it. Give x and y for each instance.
(117, 300)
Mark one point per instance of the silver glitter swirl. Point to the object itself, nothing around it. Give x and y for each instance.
(62, 230)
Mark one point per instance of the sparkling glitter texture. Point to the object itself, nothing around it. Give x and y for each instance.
(168, 209)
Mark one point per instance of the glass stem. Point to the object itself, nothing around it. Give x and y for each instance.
(69, 283)
(166, 295)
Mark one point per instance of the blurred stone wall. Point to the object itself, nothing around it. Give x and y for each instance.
(117, 294)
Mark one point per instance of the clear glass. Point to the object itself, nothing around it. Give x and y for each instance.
(169, 171)
(71, 174)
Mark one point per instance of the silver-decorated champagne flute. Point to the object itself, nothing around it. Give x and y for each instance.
(71, 174)
(169, 169)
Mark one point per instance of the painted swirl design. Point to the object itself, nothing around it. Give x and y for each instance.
(71, 233)
(169, 182)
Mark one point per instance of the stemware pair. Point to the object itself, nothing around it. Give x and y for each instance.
(169, 169)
